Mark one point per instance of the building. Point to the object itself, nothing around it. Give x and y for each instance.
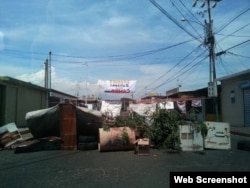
(17, 98)
(210, 109)
(235, 95)
(56, 97)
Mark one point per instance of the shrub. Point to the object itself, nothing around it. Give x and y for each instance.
(165, 129)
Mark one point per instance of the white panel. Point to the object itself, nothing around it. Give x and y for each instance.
(190, 140)
(9, 134)
(246, 107)
(218, 136)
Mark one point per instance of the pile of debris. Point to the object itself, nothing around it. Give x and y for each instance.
(57, 127)
(67, 127)
(21, 140)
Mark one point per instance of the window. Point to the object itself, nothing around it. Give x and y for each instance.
(232, 96)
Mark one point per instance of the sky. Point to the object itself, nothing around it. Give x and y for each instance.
(92, 41)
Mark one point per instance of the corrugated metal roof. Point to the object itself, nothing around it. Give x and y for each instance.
(234, 75)
(9, 80)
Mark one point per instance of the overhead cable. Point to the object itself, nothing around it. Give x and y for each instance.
(173, 19)
(173, 78)
(233, 20)
(177, 64)
(189, 23)
(130, 56)
(237, 45)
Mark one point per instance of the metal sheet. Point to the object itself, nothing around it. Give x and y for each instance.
(9, 134)
(190, 140)
(218, 136)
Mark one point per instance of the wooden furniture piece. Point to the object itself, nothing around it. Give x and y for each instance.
(142, 146)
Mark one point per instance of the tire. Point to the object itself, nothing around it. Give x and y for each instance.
(244, 145)
(86, 139)
(88, 146)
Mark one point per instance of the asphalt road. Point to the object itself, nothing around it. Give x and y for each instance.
(80, 169)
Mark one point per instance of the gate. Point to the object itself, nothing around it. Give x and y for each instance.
(246, 94)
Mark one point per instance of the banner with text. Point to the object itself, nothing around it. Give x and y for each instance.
(120, 86)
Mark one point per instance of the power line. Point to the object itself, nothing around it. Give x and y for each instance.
(173, 19)
(231, 53)
(192, 15)
(177, 64)
(233, 20)
(105, 58)
(130, 56)
(231, 34)
(174, 4)
(180, 73)
(237, 45)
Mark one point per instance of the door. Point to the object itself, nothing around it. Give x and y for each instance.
(68, 127)
(246, 95)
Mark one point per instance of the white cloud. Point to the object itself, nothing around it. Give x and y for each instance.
(36, 78)
(1, 40)
(64, 84)
(110, 28)
(117, 21)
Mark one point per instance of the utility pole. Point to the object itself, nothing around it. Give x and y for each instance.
(86, 99)
(46, 74)
(49, 70)
(47, 81)
(210, 42)
(212, 85)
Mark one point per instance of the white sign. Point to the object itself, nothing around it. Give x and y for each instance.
(218, 136)
(143, 109)
(166, 105)
(111, 110)
(119, 86)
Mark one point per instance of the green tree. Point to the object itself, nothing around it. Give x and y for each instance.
(165, 129)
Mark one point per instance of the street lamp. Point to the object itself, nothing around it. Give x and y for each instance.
(196, 22)
(209, 40)
(186, 20)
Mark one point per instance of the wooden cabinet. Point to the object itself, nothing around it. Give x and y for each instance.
(68, 132)
(142, 146)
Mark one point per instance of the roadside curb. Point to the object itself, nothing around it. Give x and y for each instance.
(240, 133)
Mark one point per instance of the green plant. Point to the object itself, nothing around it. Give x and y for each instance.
(106, 128)
(125, 136)
(165, 129)
(133, 121)
(199, 126)
(193, 113)
(125, 121)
